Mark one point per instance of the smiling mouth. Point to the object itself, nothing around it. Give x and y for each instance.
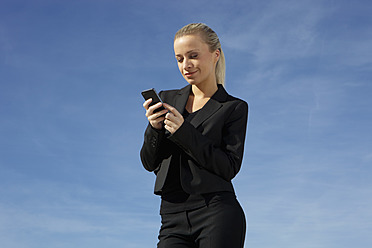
(188, 74)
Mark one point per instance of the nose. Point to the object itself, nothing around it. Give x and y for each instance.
(187, 64)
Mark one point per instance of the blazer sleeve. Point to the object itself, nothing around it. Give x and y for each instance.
(222, 159)
(149, 153)
(154, 148)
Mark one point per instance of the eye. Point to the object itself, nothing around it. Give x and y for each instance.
(179, 59)
(194, 56)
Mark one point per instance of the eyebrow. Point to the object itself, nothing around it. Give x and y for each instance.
(191, 51)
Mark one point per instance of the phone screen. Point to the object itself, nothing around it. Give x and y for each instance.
(151, 93)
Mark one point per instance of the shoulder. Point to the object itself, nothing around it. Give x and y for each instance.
(225, 98)
(239, 103)
(235, 99)
(237, 107)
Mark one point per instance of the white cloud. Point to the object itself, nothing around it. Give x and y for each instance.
(277, 32)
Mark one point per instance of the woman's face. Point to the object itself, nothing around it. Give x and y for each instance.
(195, 62)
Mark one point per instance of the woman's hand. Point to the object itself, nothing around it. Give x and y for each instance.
(173, 119)
(156, 119)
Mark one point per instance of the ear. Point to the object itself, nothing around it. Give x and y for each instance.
(217, 54)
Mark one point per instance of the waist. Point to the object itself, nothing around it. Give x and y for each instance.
(181, 201)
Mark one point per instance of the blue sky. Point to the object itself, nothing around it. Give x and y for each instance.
(72, 122)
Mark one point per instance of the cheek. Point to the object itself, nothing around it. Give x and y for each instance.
(180, 66)
(212, 65)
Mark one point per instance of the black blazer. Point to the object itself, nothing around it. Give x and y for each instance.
(213, 143)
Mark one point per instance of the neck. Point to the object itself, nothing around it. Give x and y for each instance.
(204, 90)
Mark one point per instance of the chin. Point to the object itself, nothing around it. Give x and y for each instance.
(191, 81)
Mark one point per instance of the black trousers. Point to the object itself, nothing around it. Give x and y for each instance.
(220, 224)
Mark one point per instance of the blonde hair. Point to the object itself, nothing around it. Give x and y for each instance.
(211, 39)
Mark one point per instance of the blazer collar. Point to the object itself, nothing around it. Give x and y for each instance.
(209, 108)
(181, 98)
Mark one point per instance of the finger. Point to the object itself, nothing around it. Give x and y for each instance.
(155, 106)
(160, 119)
(172, 109)
(170, 116)
(168, 126)
(157, 115)
(147, 103)
(151, 109)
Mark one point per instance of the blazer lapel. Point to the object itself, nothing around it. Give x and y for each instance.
(210, 107)
(181, 99)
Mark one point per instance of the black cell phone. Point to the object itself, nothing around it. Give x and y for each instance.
(151, 93)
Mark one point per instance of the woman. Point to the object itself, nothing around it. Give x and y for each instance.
(195, 148)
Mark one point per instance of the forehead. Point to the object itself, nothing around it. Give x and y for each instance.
(187, 43)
